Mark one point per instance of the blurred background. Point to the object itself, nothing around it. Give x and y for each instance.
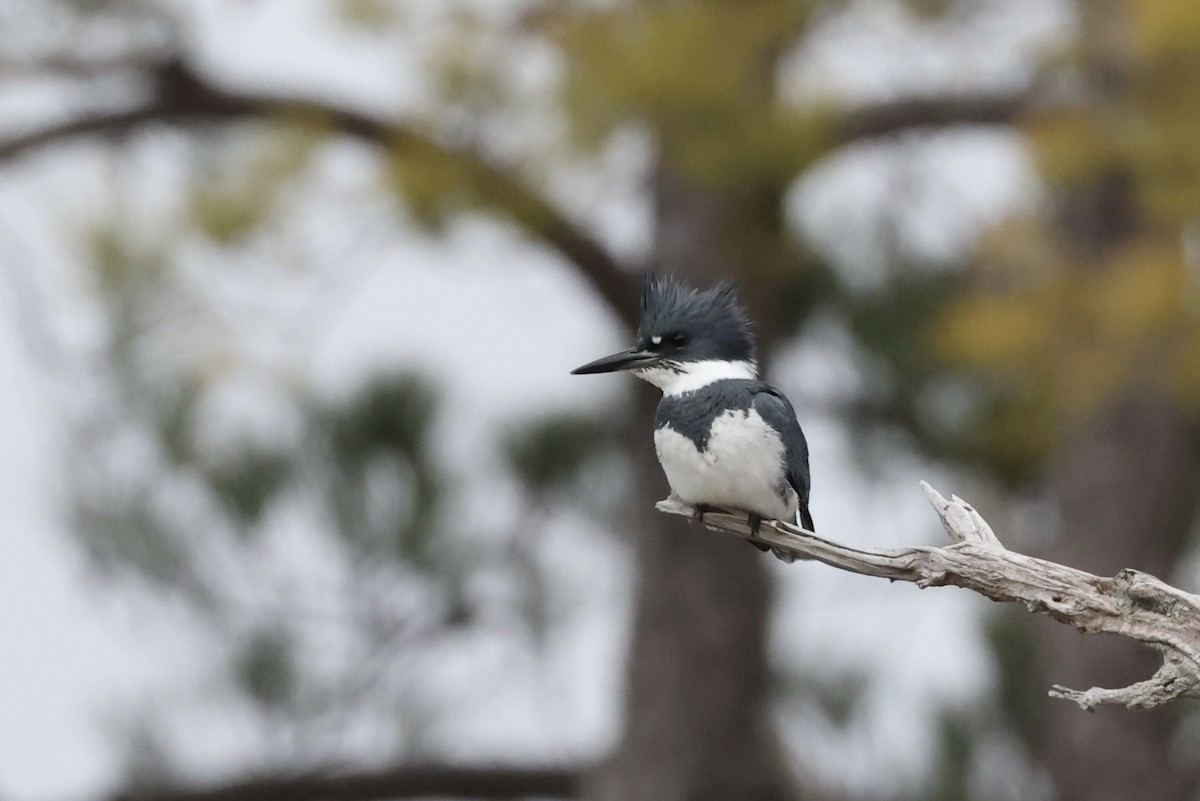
(300, 501)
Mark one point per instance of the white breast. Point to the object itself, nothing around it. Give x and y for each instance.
(742, 467)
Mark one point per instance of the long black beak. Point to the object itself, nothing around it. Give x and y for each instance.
(624, 360)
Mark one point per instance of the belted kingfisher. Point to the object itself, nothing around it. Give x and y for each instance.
(724, 438)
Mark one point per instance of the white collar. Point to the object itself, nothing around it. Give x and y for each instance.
(675, 378)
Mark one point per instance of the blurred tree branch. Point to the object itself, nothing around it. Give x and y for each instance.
(1132, 604)
(899, 116)
(70, 65)
(182, 95)
(410, 781)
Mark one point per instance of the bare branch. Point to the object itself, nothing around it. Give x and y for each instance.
(901, 116)
(1132, 604)
(71, 65)
(413, 781)
(184, 96)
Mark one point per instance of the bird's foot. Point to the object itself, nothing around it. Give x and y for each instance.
(699, 510)
(755, 523)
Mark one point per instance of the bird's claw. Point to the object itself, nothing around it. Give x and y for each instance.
(752, 520)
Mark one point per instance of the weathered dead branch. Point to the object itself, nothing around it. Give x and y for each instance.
(1132, 604)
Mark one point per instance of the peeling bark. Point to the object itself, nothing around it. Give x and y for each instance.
(1132, 604)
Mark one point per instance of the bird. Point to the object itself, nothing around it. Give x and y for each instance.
(724, 438)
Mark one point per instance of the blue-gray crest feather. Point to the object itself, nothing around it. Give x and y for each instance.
(711, 318)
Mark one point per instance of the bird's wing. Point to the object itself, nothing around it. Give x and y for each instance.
(776, 410)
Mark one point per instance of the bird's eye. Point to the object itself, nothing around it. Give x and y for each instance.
(678, 339)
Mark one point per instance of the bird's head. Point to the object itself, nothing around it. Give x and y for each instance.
(685, 336)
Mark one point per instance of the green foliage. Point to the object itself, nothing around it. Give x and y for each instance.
(549, 454)
(122, 263)
(837, 698)
(658, 62)
(233, 203)
(390, 413)
(1011, 635)
(956, 741)
(356, 479)
(701, 75)
(1054, 322)
(369, 14)
(932, 9)
(1053, 340)
(893, 319)
(439, 182)
(892, 323)
(247, 481)
(383, 433)
(434, 183)
(128, 533)
(148, 760)
(840, 697)
(466, 66)
(186, 517)
(1145, 125)
(173, 426)
(264, 668)
(1036, 335)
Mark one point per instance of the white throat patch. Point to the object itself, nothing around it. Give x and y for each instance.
(676, 378)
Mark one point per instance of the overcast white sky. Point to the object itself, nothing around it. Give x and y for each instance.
(72, 653)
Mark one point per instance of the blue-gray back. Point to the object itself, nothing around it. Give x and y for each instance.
(691, 414)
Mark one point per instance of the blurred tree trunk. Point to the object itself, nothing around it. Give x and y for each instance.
(696, 701)
(697, 722)
(697, 726)
(1124, 480)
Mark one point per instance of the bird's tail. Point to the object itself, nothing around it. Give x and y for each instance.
(804, 517)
